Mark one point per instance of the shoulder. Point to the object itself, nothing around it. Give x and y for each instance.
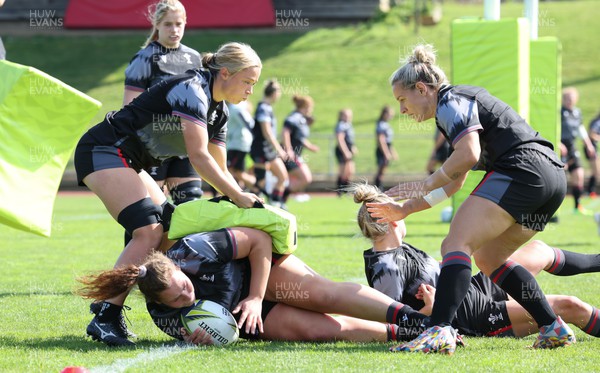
(186, 49)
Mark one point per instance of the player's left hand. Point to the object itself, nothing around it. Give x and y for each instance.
(199, 336)
(251, 309)
(407, 190)
(386, 212)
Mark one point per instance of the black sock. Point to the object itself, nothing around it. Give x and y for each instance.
(453, 285)
(593, 326)
(378, 183)
(286, 194)
(396, 333)
(577, 195)
(339, 186)
(568, 263)
(521, 285)
(592, 185)
(404, 316)
(109, 312)
(276, 196)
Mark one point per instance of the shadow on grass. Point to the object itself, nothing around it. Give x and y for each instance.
(83, 344)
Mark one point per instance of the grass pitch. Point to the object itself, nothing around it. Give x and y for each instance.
(42, 324)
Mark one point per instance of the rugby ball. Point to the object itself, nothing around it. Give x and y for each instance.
(446, 214)
(215, 319)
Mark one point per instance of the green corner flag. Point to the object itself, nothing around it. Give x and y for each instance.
(41, 121)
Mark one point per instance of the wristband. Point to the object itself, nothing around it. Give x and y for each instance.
(435, 196)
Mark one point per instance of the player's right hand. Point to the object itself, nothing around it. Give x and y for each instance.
(246, 200)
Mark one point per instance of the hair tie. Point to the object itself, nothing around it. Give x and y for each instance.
(142, 271)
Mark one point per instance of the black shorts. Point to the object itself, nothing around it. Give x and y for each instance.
(442, 153)
(381, 160)
(173, 167)
(339, 155)
(101, 148)
(483, 311)
(236, 159)
(294, 164)
(528, 184)
(262, 154)
(573, 157)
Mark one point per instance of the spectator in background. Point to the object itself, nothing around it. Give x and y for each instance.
(594, 134)
(345, 149)
(239, 140)
(572, 128)
(385, 153)
(296, 130)
(441, 151)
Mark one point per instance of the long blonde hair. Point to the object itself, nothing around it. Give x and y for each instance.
(233, 56)
(363, 193)
(108, 284)
(419, 66)
(156, 13)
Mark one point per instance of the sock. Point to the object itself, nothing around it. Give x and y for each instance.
(286, 194)
(396, 333)
(577, 195)
(568, 263)
(378, 182)
(593, 326)
(404, 316)
(592, 185)
(521, 285)
(453, 285)
(109, 312)
(276, 196)
(339, 186)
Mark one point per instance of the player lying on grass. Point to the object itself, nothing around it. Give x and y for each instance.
(409, 275)
(297, 301)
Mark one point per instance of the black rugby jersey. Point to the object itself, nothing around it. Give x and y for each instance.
(384, 128)
(208, 260)
(348, 130)
(263, 114)
(462, 109)
(398, 273)
(570, 121)
(297, 124)
(155, 63)
(153, 118)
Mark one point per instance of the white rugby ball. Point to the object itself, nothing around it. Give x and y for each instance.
(215, 319)
(446, 214)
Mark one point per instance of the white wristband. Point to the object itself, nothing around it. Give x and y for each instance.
(435, 196)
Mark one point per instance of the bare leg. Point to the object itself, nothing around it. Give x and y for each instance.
(571, 309)
(294, 283)
(287, 323)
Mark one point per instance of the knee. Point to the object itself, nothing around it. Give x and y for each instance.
(568, 306)
(149, 236)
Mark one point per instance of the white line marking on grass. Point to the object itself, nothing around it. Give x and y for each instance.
(158, 353)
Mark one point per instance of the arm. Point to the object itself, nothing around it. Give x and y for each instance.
(287, 143)
(384, 146)
(586, 140)
(196, 143)
(257, 247)
(268, 134)
(129, 95)
(341, 139)
(310, 146)
(393, 211)
(219, 153)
